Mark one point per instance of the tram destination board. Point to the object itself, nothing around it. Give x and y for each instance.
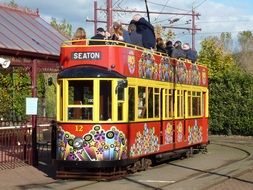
(86, 55)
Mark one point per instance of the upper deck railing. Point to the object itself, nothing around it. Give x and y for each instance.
(132, 61)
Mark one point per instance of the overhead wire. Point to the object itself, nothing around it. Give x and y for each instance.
(162, 10)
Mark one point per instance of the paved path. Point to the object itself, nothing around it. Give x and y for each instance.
(30, 178)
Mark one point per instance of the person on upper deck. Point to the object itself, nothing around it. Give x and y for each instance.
(178, 52)
(160, 45)
(190, 53)
(169, 47)
(146, 30)
(95, 40)
(136, 38)
(79, 35)
(120, 33)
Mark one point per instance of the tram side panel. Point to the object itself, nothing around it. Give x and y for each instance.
(98, 142)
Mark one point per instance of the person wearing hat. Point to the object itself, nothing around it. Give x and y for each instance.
(190, 53)
(97, 39)
(178, 52)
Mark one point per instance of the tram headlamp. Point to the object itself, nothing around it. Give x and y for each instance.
(78, 143)
(5, 62)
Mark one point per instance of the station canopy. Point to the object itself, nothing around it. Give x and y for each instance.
(24, 33)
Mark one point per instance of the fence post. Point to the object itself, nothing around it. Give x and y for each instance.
(53, 139)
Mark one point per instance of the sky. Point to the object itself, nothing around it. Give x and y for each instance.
(216, 16)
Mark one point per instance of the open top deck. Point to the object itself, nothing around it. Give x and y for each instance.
(132, 61)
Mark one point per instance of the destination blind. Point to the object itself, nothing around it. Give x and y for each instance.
(86, 55)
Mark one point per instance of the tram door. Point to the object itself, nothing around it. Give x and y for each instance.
(167, 116)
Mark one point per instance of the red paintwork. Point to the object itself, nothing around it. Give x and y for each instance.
(119, 59)
(171, 135)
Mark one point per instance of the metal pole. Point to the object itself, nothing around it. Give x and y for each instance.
(146, 3)
(95, 17)
(193, 29)
(109, 15)
(34, 117)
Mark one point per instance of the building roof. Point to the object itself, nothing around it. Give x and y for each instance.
(24, 32)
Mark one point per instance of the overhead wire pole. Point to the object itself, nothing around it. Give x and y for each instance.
(95, 16)
(109, 14)
(194, 29)
(109, 11)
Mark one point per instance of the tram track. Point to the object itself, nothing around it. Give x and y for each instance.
(149, 179)
(217, 171)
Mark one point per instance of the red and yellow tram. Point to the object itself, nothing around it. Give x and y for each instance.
(120, 107)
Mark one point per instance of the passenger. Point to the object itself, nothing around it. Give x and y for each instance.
(190, 53)
(169, 47)
(136, 38)
(120, 33)
(97, 39)
(146, 30)
(107, 35)
(178, 52)
(160, 45)
(80, 34)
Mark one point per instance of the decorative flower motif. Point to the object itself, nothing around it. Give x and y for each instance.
(99, 136)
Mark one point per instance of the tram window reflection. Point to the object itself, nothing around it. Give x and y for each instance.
(150, 103)
(81, 92)
(105, 108)
(131, 104)
(80, 114)
(142, 107)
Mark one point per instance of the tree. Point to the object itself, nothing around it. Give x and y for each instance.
(226, 39)
(212, 55)
(245, 55)
(230, 90)
(64, 27)
(245, 40)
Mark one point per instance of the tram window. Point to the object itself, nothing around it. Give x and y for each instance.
(180, 103)
(131, 104)
(81, 92)
(170, 103)
(80, 113)
(189, 104)
(150, 103)
(120, 111)
(196, 103)
(120, 93)
(142, 107)
(157, 104)
(105, 109)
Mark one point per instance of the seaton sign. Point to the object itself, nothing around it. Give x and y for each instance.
(86, 55)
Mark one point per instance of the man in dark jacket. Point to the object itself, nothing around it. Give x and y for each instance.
(146, 30)
(190, 53)
(136, 38)
(178, 52)
(99, 36)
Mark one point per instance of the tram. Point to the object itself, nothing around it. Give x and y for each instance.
(121, 107)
